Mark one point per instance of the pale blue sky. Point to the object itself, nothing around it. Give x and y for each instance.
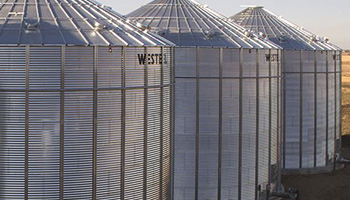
(324, 18)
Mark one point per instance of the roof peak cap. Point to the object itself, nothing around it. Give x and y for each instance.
(252, 6)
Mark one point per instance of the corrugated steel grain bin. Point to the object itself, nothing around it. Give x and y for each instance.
(227, 102)
(312, 91)
(86, 101)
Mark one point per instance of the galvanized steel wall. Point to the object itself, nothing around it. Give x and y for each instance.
(227, 114)
(312, 110)
(85, 122)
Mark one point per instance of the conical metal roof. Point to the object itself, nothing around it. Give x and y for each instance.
(189, 23)
(280, 31)
(68, 22)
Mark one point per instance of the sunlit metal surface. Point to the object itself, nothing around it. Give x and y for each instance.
(85, 112)
(312, 91)
(227, 103)
(68, 22)
(78, 122)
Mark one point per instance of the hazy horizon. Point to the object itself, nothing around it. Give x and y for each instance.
(318, 16)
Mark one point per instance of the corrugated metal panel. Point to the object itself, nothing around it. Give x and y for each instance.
(69, 22)
(79, 68)
(12, 63)
(78, 145)
(45, 68)
(44, 145)
(154, 144)
(311, 110)
(227, 124)
(134, 144)
(12, 159)
(167, 142)
(78, 130)
(207, 139)
(110, 67)
(185, 138)
(109, 145)
(189, 23)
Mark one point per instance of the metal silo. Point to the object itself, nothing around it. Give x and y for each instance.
(227, 102)
(312, 91)
(86, 101)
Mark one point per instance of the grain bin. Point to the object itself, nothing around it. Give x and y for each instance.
(227, 102)
(312, 91)
(86, 101)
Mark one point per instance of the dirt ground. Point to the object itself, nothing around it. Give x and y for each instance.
(332, 186)
(335, 185)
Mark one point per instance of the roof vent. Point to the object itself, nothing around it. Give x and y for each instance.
(31, 25)
(249, 34)
(314, 38)
(209, 34)
(142, 27)
(325, 39)
(283, 38)
(262, 35)
(161, 31)
(106, 7)
(99, 26)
